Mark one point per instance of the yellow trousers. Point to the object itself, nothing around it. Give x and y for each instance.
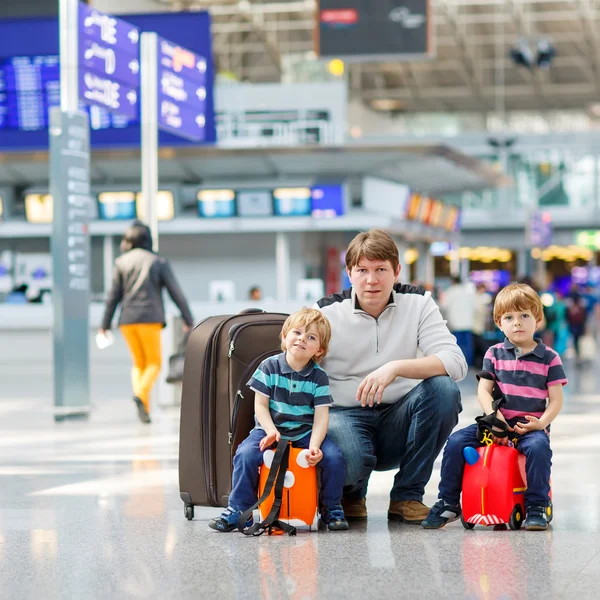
(143, 340)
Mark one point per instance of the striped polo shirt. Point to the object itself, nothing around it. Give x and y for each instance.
(293, 395)
(523, 379)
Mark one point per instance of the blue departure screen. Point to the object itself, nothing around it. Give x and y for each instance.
(30, 85)
(29, 81)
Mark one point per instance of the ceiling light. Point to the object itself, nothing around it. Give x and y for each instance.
(387, 104)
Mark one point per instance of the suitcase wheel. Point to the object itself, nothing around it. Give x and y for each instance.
(466, 524)
(188, 511)
(516, 517)
(550, 512)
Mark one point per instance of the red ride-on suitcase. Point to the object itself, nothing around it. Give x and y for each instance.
(493, 488)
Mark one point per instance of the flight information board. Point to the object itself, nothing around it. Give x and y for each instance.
(30, 85)
(29, 81)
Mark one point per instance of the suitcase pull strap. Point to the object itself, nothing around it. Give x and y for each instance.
(488, 426)
(276, 477)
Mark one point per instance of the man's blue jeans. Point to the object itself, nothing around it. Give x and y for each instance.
(248, 458)
(407, 435)
(535, 445)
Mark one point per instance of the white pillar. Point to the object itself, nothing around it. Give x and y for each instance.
(68, 40)
(108, 258)
(282, 260)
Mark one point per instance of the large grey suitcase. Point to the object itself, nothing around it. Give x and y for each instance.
(217, 407)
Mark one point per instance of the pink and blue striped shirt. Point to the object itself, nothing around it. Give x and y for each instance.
(523, 379)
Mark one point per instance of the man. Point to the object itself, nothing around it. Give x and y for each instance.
(392, 367)
(458, 306)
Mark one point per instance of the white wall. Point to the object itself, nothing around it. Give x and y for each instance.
(247, 259)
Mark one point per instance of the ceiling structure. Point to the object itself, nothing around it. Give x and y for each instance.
(472, 70)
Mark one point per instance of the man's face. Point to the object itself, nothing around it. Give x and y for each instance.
(373, 281)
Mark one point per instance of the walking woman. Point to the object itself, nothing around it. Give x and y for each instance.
(138, 278)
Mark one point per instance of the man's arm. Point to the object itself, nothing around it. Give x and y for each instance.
(435, 340)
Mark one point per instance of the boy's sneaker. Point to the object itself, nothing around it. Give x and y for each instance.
(229, 520)
(333, 517)
(441, 514)
(536, 519)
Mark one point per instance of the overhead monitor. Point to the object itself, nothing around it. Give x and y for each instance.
(413, 206)
(38, 208)
(292, 202)
(254, 203)
(437, 212)
(451, 219)
(165, 205)
(116, 206)
(216, 203)
(328, 200)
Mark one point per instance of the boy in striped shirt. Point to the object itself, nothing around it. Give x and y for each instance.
(530, 377)
(292, 401)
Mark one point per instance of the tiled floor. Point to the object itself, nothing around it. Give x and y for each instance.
(92, 510)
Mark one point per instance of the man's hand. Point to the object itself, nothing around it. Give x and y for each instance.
(370, 391)
(269, 440)
(533, 424)
(314, 456)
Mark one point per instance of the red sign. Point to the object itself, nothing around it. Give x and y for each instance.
(345, 16)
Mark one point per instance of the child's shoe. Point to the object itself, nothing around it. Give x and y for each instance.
(536, 518)
(229, 520)
(333, 517)
(441, 514)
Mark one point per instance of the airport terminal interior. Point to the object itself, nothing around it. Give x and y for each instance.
(246, 143)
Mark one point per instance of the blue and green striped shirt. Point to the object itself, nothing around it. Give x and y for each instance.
(293, 395)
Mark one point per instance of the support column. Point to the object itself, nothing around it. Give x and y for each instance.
(108, 258)
(282, 260)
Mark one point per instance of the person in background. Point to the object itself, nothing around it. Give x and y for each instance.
(459, 309)
(482, 310)
(255, 293)
(138, 279)
(576, 317)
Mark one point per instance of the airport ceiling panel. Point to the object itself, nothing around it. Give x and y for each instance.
(428, 168)
(253, 39)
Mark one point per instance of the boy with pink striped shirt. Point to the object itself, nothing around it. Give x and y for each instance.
(528, 377)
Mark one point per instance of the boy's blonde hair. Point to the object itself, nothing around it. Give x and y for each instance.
(305, 318)
(375, 244)
(516, 297)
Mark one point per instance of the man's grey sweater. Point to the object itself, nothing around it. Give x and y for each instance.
(410, 326)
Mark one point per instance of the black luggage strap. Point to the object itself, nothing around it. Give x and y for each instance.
(276, 477)
(490, 426)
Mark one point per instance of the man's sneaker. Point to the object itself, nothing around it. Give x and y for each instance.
(441, 514)
(355, 510)
(408, 511)
(536, 519)
(333, 517)
(228, 521)
(142, 414)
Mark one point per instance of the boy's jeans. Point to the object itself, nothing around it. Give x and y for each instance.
(535, 445)
(407, 435)
(248, 458)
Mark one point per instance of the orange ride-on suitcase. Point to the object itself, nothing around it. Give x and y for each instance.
(493, 488)
(300, 493)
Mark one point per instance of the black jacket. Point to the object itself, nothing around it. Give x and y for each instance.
(138, 279)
